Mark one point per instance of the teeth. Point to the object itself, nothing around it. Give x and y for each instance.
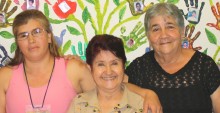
(109, 78)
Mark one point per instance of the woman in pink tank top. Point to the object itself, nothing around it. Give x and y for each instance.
(38, 79)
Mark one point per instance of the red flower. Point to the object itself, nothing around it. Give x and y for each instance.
(63, 8)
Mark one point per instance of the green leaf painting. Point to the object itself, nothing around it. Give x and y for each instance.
(116, 2)
(13, 47)
(211, 37)
(122, 13)
(6, 34)
(85, 15)
(73, 30)
(66, 46)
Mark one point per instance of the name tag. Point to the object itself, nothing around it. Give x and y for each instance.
(38, 109)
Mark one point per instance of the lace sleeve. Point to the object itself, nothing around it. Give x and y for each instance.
(211, 75)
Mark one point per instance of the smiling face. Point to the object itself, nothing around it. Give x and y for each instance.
(107, 71)
(164, 34)
(34, 48)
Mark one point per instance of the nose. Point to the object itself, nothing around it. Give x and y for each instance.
(163, 33)
(108, 70)
(31, 38)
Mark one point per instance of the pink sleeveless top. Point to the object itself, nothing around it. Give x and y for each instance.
(58, 98)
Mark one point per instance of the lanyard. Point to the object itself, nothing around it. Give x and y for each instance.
(29, 91)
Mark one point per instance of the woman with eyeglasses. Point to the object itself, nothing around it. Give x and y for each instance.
(38, 79)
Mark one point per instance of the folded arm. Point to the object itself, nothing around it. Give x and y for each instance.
(151, 100)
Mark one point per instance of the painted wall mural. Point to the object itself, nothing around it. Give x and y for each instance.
(75, 22)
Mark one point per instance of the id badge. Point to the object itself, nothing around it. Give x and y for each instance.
(38, 109)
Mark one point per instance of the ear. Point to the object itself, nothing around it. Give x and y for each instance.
(49, 37)
(182, 33)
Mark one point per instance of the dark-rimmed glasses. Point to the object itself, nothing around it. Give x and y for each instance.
(35, 33)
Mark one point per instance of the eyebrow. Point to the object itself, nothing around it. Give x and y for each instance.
(154, 25)
(118, 59)
(170, 23)
(21, 33)
(30, 31)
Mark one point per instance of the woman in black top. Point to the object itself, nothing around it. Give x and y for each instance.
(185, 80)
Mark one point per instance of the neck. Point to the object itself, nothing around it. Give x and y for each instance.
(170, 58)
(108, 100)
(39, 65)
(37, 75)
(110, 95)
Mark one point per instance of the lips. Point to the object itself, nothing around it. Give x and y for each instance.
(33, 48)
(109, 78)
(163, 43)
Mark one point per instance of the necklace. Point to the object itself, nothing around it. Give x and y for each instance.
(29, 91)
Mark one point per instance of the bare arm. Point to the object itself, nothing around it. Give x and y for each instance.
(5, 75)
(216, 100)
(80, 75)
(151, 100)
(2, 95)
(86, 82)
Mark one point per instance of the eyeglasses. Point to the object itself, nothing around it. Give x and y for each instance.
(35, 33)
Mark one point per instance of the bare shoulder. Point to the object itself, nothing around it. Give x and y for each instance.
(76, 65)
(78, 72)
(5, 72)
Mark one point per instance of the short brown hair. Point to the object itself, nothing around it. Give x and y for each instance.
(107, 43)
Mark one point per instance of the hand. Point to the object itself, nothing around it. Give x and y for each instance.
(135, 39)
(193, 5)
(69, 57)
(152, 103)
(191, 40)
(81, 51)
(6, 14)
(217, 16)
(151, 100)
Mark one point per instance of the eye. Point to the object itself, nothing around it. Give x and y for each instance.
(114, 63)
(154, 29)
(23, 35)
(170, 27)
(37, 31)
(100, 64)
